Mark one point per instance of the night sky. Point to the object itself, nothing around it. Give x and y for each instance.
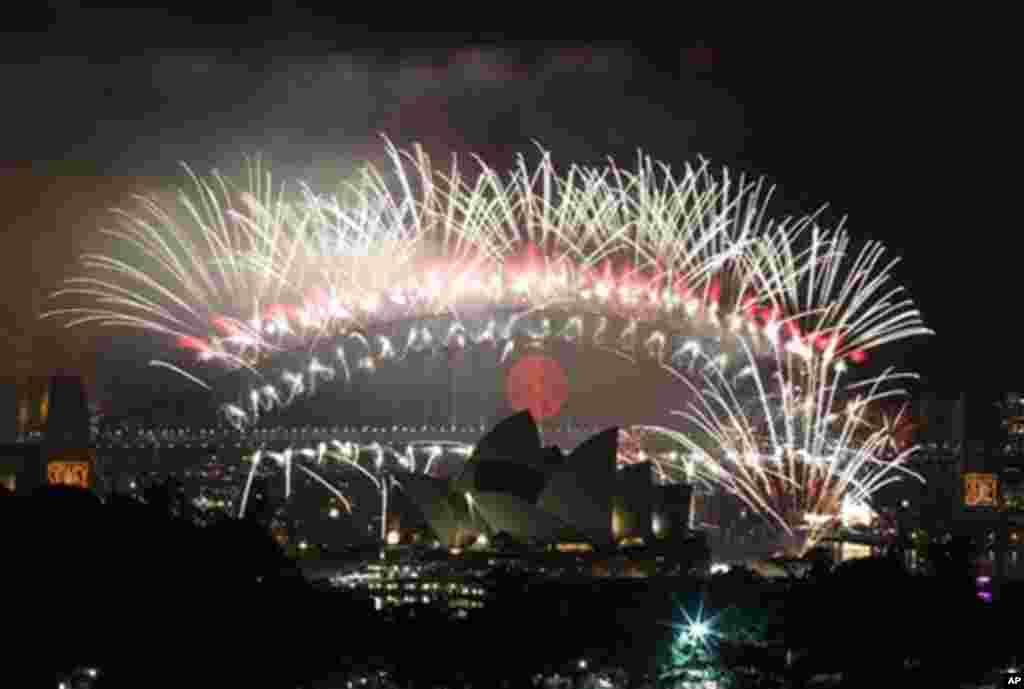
(99, 110)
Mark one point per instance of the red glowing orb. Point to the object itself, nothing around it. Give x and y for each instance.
(539, 384)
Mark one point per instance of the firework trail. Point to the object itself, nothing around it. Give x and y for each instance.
(203, 267)
(235, 276)
(372, 461)
(605, 253)
(793, 448)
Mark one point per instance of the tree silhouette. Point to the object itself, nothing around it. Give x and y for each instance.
(871, 617)
(153, 599)
(953, 560)
(861, 620)
(964, 641)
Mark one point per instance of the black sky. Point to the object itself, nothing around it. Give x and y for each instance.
(870, 128)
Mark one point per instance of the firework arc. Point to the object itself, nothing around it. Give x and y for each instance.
(765, 321)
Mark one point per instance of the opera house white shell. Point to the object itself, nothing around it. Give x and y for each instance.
(513, 485)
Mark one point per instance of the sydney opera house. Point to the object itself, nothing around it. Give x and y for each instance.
(515, 489)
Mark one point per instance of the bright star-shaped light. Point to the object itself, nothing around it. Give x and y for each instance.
(698, 627)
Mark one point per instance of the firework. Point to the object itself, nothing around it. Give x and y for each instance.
(380, 464)
(792, 442)
(198, 267)
(237, 275)
(601, 256)
(669, 465)
(763, 320)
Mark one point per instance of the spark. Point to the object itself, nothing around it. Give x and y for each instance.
(186, 374)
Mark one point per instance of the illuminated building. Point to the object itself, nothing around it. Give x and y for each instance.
(67, 443)
(65, 455)
(395, 585)
(514, 486)
(31, 400)
(971, 455)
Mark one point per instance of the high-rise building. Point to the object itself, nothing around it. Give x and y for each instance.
(67, 422)
(31, 400)
(971, 456)
(939, 426)
(67, 454)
